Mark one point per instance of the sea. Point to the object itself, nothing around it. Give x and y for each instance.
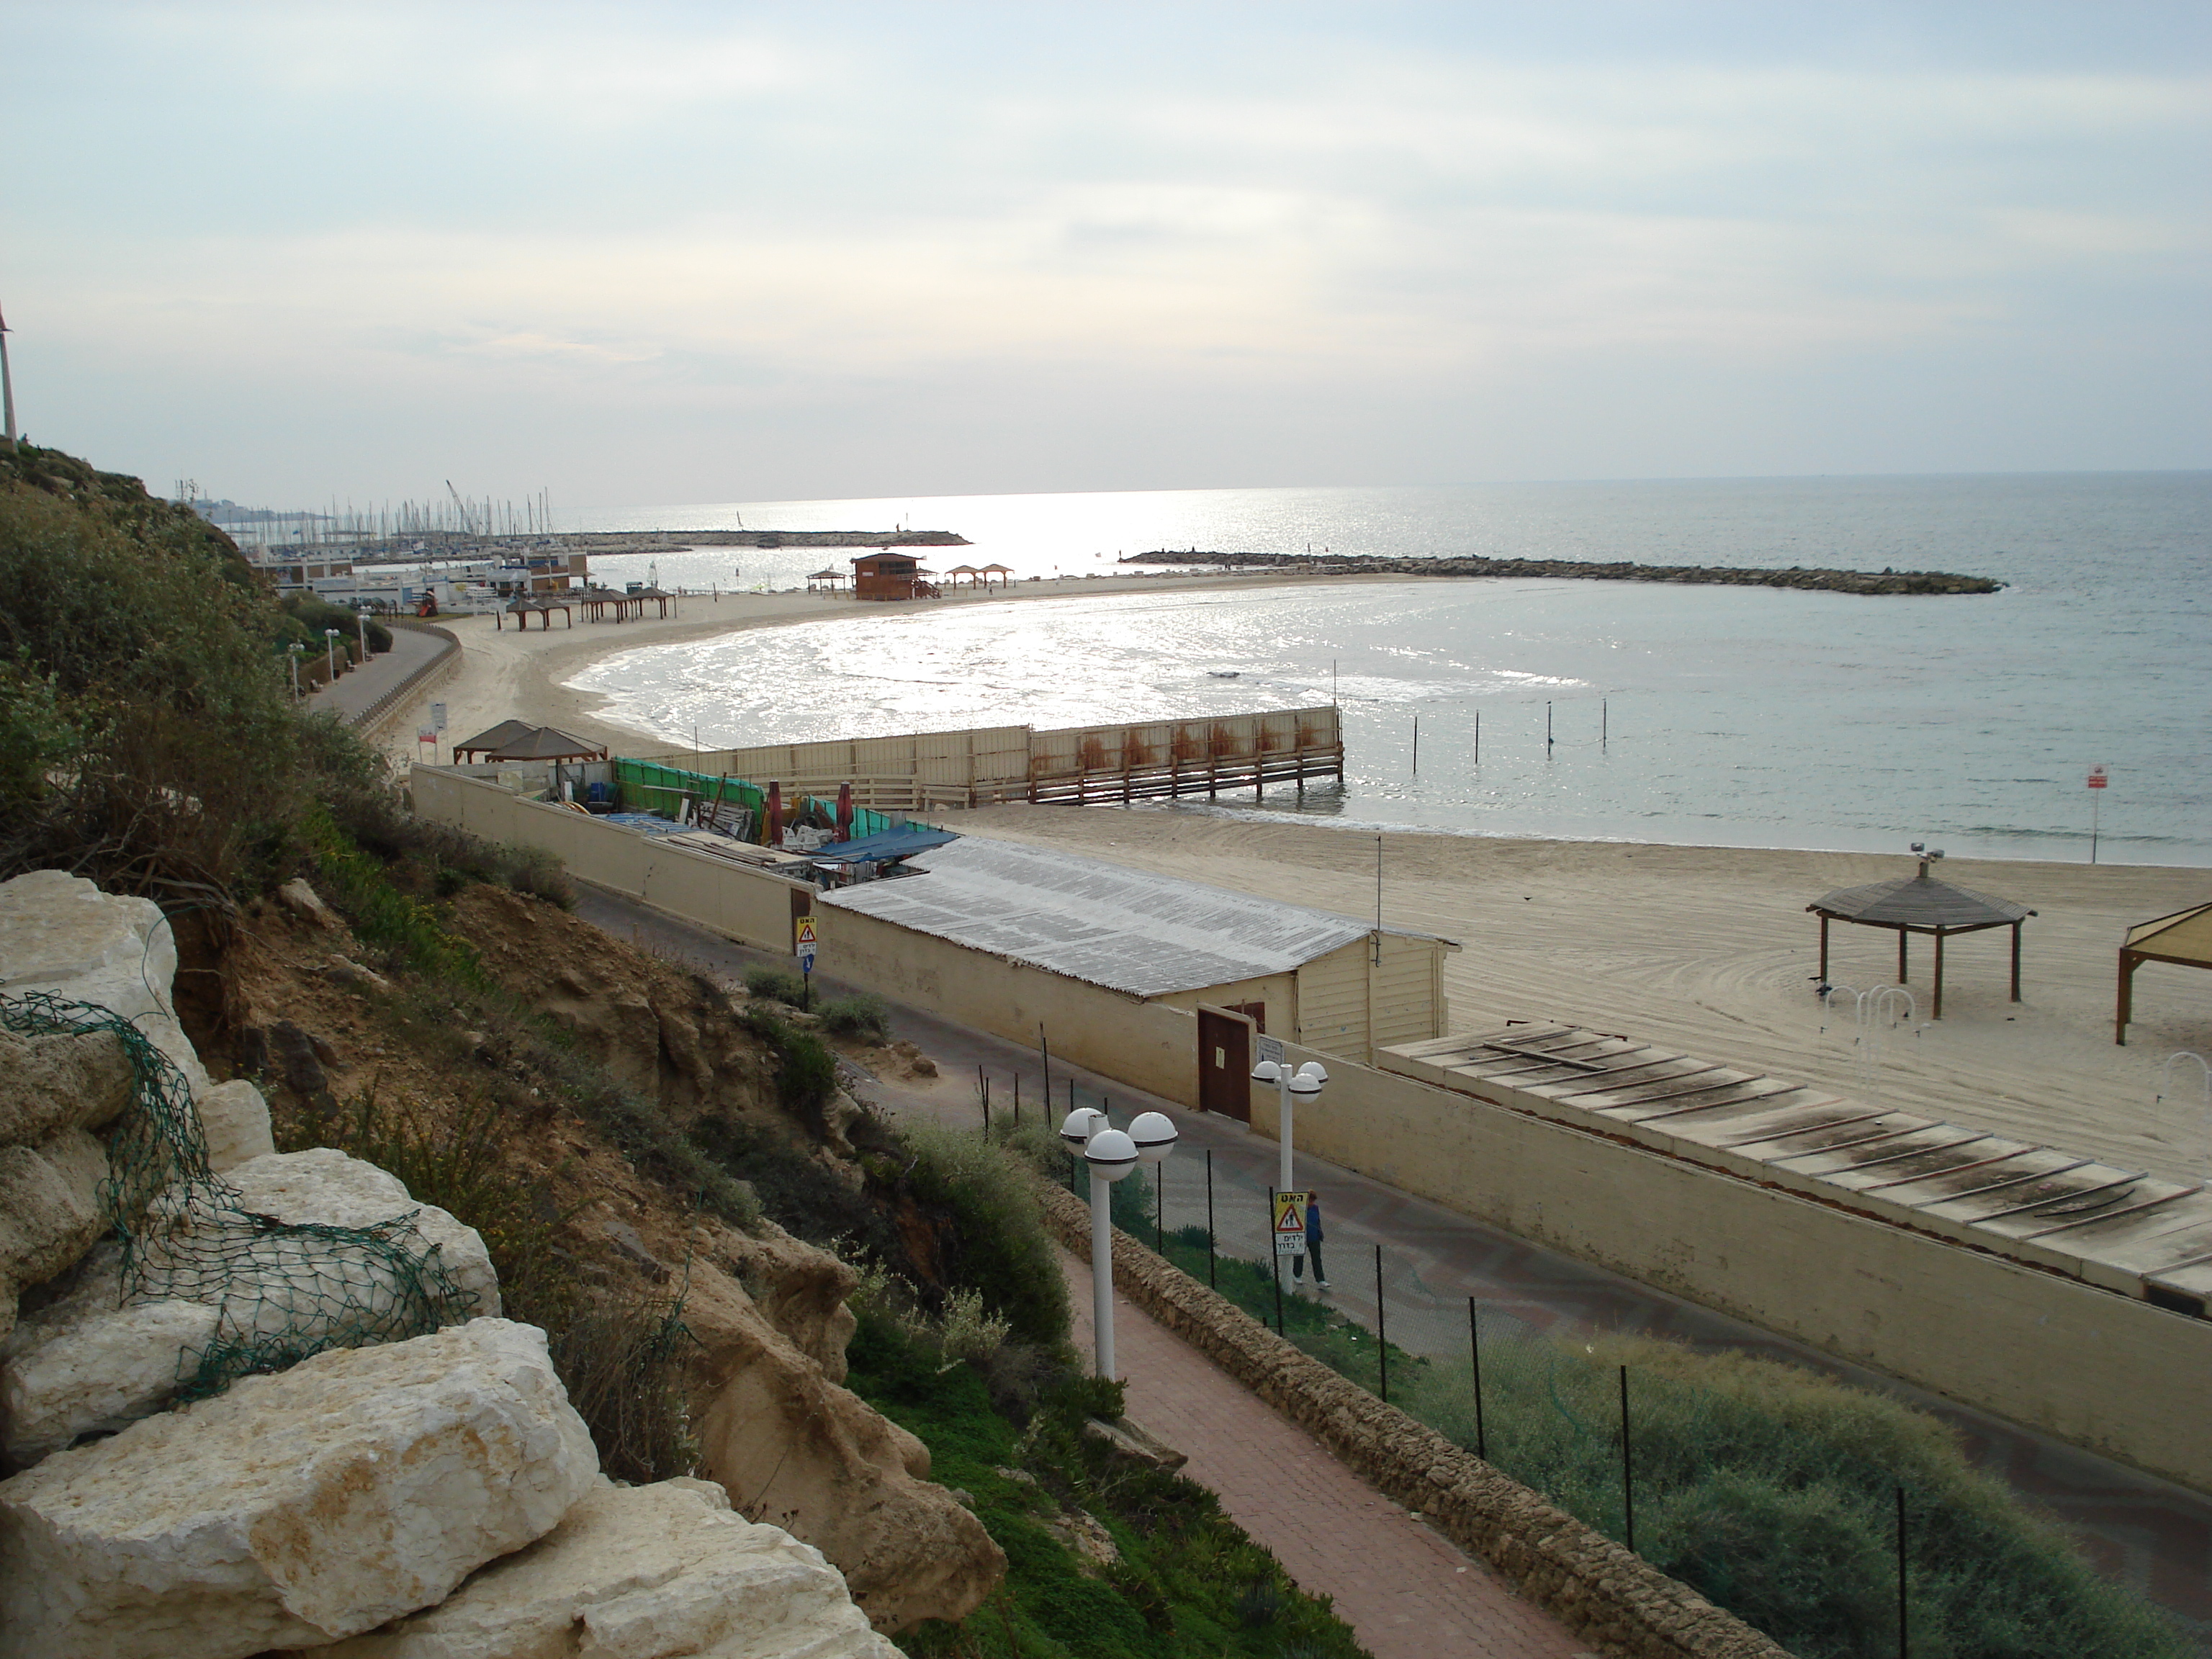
(1700, 715)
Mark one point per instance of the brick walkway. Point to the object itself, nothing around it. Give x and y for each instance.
(1407, 1592)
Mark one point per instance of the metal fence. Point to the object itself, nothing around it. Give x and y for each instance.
(1842, 1524)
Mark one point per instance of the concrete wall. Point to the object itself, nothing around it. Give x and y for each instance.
(2102, 1370)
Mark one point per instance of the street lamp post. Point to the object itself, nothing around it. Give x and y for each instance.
(1111, 1154)
(1291, 1086)
(330, 645)
(296, 649)
(361, 618)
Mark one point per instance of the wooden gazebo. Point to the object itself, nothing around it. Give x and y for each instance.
(519, 740)
(832, 578)
(1921, 904)
(997, 575)
(2183, 937)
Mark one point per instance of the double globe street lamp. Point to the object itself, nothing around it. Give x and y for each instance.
(1111, 1154)
(1292, 1087)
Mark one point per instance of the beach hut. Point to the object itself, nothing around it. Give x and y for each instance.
(2183, 937)
(1921, 904)
(891, 576)
(994, 575)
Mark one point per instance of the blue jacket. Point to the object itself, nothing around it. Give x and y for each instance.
(1313, 1225)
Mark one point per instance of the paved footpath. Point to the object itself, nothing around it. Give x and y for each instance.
(1406, 1591)
(351, 694)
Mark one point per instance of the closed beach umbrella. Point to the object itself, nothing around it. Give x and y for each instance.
(775, 815)
(844, 812)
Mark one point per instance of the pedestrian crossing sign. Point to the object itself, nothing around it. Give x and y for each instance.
(1290, 1224)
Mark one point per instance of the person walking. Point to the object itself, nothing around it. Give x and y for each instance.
(1313, 1245)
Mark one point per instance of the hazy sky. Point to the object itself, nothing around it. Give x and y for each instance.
(727, 252)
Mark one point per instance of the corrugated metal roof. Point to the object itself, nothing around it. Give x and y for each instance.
(1920, 901)
(1128, 929)
(2122, 1229)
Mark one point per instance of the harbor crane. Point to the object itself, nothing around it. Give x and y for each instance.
(468, 523)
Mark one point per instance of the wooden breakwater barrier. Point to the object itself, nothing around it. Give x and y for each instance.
(1082, 765)
(1797, 576)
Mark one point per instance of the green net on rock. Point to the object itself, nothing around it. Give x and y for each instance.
(283, 1290)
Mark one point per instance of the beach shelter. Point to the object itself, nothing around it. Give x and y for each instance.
(497, 737)
(844, 812)
(993, 574)
(1921, 904)
(546, 743)
(2184, 938)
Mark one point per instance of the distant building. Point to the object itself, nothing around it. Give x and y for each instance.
(891, 576)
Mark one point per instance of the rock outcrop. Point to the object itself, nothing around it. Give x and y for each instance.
(297, 1509)
(49, 1211)
(793, 1448)
(645, 1572)
(325, 1186)
(60, 934)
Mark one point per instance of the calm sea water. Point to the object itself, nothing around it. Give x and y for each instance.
(1720, 716)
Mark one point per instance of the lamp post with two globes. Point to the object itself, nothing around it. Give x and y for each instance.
(1304, 1084)
(1111, 1154)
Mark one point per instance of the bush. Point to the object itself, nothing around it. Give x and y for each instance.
(805, 1071)
(861, 1016)
(777, 984)
(1005, 1252)
(309, 616)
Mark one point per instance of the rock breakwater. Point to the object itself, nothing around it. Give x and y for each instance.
(1820, 580)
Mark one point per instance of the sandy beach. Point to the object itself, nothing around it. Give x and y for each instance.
(1706, 950)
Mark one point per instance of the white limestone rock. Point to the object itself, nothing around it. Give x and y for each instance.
(60, 933)
(97, 1372)
(234, 1118)
(295, 1510)
(643, 1572)
(60, 1082)
(49, 1211)
(324, 1185)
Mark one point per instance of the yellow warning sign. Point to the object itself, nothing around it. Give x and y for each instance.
(1290, 1213)
(806, 925)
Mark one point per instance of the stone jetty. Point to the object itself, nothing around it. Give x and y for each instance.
(1798, 576)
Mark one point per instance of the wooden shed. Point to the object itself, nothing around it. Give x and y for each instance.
(890, 575)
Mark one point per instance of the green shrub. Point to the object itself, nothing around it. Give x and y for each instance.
(309, 616)
(1004, 1251)
(778, 984)
(860, 1015)
(805, 1071)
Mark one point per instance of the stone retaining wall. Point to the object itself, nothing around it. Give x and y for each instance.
(1615, 1600)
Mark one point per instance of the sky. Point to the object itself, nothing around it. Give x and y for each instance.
(669, 253)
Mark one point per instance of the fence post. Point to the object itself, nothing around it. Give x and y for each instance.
(1475, 1351)
(1160, 1210)
(1212, 1283)
(1381, 1340)
(1903, 1640)
(1275, 1262)
(1627, 1484)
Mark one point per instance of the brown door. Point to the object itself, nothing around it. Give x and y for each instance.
(1255, 1011)
(1224, 1065)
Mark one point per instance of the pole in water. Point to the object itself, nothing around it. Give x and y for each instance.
(1378, 901)
(1478, 737)
(1417, 745)
(1604, 721)
(1382, 1342)
(1547, 728)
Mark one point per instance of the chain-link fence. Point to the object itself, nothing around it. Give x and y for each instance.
(1842, 1523)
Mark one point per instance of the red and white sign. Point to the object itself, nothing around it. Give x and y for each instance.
(2097, 779)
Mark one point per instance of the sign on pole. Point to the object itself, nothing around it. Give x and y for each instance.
(1290, 1224)
(424, 734)
(438, 716)
(1272, 1049)
(2098, 777)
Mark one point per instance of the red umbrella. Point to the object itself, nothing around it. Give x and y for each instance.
(844, 812)
(774, 814)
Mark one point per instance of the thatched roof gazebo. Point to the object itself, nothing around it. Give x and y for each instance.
(832, 578)
(1921, 904)
(2183, 937)
(496, 738)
